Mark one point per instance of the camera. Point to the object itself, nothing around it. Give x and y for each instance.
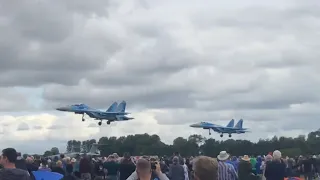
(153, 165)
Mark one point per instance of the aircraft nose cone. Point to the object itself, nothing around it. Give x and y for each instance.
(61, 109)
(194, 125)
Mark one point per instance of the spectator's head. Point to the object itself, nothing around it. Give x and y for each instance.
(143, 169)
(175, 160)
(59, 164)
(176, 153)
(61, 156)
(276, 155)
(29, 160)
(245, 158)
(268, 158)
(111, 158)
(152, 159)
(126, 155)
(223, 156)
(205, 168)
(8, 157)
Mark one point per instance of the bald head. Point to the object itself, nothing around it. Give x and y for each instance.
(143, 164)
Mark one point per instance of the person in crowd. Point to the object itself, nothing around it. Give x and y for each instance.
(112, 167)
(267, 160)
(127, 167)
(76, 166)
(186, 170)
(176, 154)
(21, 163)
(276, 169)
(144, 171)
(205, 168)
(163, 165)
(58, 168)
(245, 168)
(234, 161)
(98, 168)
(85, 168)
(258, 171)
(31, 166)
(69, 175)
(9, 171)
(44, 165)
(290, 167)
(307, 166)
(226, 170)
(176, 170)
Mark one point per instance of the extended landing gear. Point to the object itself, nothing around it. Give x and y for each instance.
(230, 135)
(209, 132)
(221, 135)
(83, 117)
(108, 122)
(99, 123)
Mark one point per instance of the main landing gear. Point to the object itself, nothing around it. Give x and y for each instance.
(209, 132)
(99, 123)
(83, 117)
(221, 135)
(108, 122)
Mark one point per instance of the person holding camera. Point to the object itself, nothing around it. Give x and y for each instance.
(146, 170)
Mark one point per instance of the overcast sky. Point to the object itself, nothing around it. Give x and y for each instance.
(174, 62)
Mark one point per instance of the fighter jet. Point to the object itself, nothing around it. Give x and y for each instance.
(229, 129)
(114, 113)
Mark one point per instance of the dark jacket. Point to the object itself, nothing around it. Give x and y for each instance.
(126, 168)
(21, 164)
(112, 167)
(85, 166)
(244, 170)
(58, 170)
(275, 170)
(14, 174)
(176, 172)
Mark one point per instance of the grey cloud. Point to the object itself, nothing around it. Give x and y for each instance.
(23, 127)
(12, 100)
(38, 51)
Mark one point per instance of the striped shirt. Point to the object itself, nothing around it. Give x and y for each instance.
(226, 171)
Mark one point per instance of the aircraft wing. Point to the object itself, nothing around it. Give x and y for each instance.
(101, 112)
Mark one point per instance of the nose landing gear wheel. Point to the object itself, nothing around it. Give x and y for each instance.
(108, 122)
(99, 123)
(83, 117)
(221, 135)
(229, 135)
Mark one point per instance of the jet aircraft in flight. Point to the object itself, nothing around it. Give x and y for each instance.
(229, 129)
(114, 113)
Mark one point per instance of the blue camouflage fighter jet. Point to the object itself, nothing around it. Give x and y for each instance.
(229, 129)
(114, 113)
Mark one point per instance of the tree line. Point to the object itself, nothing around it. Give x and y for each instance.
(145, 144)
